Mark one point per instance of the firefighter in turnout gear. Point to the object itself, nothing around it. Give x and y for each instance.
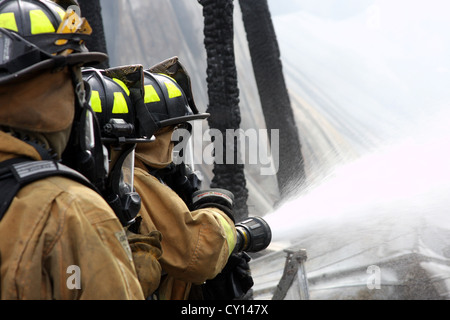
(112, 101)
(60, 238)
(197, 239)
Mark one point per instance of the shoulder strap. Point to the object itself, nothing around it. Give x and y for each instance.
(18, 172)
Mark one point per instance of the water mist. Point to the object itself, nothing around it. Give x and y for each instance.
(389, 209)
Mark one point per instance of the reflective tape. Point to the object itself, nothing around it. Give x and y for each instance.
(120, 104)
(172, 89)
(229, 232)
(150, 94)
(96, 103)
(8, 21)
(40, 23)
(123, 85)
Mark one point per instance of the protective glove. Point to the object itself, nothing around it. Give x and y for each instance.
(146, 250)
(181, 179)
(216, 198)
(233, 282)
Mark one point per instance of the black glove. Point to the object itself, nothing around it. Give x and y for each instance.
(233, 282)
(181, 179)
(216, 198)
(185, 182)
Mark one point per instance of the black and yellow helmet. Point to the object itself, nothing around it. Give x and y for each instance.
(39, 34)
(110, 100)
(167, 102)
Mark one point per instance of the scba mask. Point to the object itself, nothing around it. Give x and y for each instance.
(122, 197)
(86, 152)
(115, 110)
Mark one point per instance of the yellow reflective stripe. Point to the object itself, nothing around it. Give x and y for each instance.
(123, 85)
(229, 232)
(120, 104)
(96, 103)
(150, 94)
(172, 89)
(8, 21)
(40, 23)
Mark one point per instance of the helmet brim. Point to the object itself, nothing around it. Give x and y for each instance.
(183, 119)
(80, 59)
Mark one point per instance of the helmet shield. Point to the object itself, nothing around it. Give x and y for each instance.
(127, 180)
(120, 194)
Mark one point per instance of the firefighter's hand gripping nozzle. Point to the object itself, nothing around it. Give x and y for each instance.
(253, 235)
(235, 280)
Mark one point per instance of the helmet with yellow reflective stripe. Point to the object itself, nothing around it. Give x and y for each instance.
(109, 99)
(36, 35)
(168, 95)
(116, 113)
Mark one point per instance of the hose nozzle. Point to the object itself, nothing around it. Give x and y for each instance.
(253, 235)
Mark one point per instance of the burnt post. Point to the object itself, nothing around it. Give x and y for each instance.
(223, 95)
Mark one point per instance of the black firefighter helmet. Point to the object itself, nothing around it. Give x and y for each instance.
(168, 94)
(37, 35)
(116, 113)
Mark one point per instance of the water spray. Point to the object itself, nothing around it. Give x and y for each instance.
(386, 211)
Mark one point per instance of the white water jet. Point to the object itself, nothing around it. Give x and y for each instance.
(409, 173)
(389, 208)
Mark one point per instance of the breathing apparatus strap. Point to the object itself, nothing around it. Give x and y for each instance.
(44, 153)
(18, 172)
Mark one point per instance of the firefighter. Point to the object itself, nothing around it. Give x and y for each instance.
(60, 238)
(197, 237)
(110, 99)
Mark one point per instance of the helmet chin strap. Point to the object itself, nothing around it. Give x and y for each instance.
(45, 153)
(36, 140)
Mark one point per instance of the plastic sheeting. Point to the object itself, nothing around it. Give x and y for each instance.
(368, 82)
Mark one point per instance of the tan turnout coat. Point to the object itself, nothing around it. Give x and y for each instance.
(60, 240)
(195, 245)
